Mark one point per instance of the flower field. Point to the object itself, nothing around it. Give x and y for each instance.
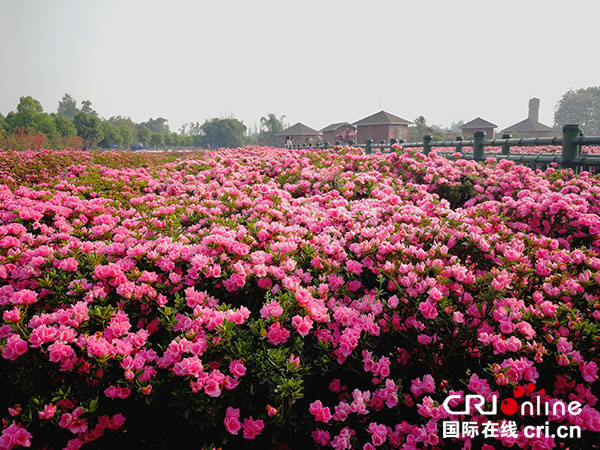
(290, 299)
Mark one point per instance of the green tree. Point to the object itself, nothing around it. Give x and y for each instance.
(64, 126)
(157, 140)
(580, 106)
(418, 129)
(111, 136)
(455, 126)
(86, 107)
(89, 128)
(191, 129)
(67, 107)
(270, 126)
(25, 120)
(44, 122)
(29, 104)
(143, 136)
(126, 136)
(122, 121)
(197, 141)
(224, 133)
(158, 125)
(170, 140)
(28, 110)
(180, 140)
(3, 124)
(420, 122)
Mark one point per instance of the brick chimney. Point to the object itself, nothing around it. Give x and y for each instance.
(534, 109)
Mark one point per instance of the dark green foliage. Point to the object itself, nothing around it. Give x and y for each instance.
(67, 107)
(89, 128)
(64, 126)
(580, 106)
(223, 133)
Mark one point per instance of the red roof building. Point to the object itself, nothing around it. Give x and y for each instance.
(530, 127)
(381, 126)
(342, 132)
(300, 133)
(478, 124)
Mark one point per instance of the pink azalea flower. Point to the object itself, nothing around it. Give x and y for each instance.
(252, 428)
(277, 334)
(232, 423)
(321, 414)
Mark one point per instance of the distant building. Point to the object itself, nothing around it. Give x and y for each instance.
(381, 126)
(530, 127)
(300, 133)
(342, 132)
(447, 135)
(478, 124)
(261, 140)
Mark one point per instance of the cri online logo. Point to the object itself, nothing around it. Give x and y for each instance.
(510, 406)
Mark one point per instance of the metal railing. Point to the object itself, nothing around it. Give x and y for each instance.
(571, 156)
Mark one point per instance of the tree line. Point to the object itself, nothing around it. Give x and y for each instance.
(81, 127)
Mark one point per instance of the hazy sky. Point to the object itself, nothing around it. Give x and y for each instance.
(316, 62)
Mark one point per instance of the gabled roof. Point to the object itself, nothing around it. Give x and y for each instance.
(382, 118)
(478, 122)
(525, 126)
(298, 129)
(335, 126)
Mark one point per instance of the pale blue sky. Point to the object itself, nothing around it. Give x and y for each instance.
(314, 61)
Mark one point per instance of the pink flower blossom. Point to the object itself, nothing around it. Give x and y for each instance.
(321, 414)
(232, 423)
(24, 297)
(212, 387)
(117, 392)
(252, 428)
(14, 435)
(277, 334)
(69, 264)
(11, 315)
(428, 309)
(47, 412)
(237, 368)
(302, 325)
(271, 412)
(15, 347)
(378, 434)
(117, 421)
(589, 371)
(321, 437)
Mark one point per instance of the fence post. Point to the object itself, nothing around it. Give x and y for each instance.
(368, 146)
(458, 147)
(478, 151)
(570, 150)
(505, 146)
(427, 144)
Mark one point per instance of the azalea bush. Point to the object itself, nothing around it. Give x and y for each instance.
(274, 298)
